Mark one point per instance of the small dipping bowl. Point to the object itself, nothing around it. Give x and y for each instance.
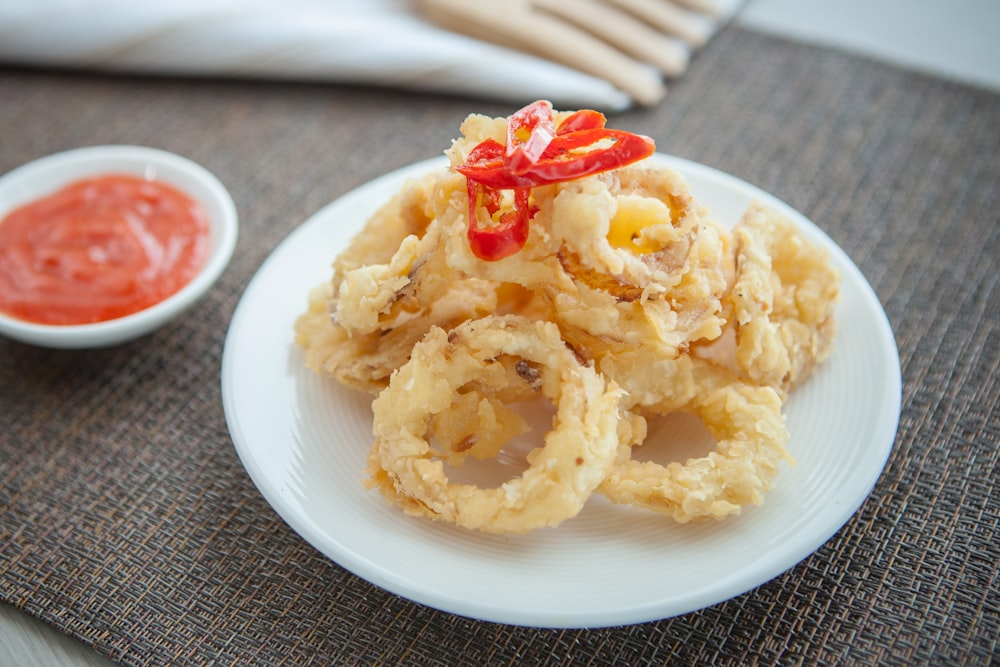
(46, 175)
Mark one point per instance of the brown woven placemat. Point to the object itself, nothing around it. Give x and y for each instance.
(127, 521)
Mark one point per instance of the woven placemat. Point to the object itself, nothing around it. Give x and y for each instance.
(127, 521)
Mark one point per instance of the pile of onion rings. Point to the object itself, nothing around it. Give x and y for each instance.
(609, 295)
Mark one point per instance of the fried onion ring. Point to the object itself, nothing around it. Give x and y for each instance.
(366, 361)
(563, 472)
(784, 296)
(407, 213)
(644, 262)
(388, 288)
(747, 422)
(379, 297)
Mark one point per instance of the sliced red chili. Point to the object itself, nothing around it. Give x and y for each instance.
(509, 234)
(486, 152)
(529, 132)
(496, 175)
(585, 119)
(538, 153)
(486, 158)
(564, 161)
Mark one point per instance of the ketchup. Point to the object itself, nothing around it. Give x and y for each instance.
(98, 249)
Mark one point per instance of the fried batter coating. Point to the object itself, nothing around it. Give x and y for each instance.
(749, 426)
(643, 260)
(378, 336)
(366, 361)
(379, 297)
(564, 470)
(360, 362)
(405, 214)
(784, 297)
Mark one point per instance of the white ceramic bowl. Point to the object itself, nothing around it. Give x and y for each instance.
(45, 175)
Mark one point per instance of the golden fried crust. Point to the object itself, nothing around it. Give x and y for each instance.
(365, 361)
(389, 287)
(662, 288)
(748, 424)
(564, 469)
(406, 213)
(784, 297)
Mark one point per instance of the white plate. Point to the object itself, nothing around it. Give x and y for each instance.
(304, 439)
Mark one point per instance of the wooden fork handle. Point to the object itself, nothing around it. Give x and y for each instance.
(669, 18)
(516, 25)
(622, 31)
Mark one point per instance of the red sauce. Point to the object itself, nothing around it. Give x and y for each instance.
(99, 249)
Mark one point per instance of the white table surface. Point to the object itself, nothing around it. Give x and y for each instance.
(954, 39)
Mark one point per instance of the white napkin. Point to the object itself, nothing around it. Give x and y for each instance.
(376, 42)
